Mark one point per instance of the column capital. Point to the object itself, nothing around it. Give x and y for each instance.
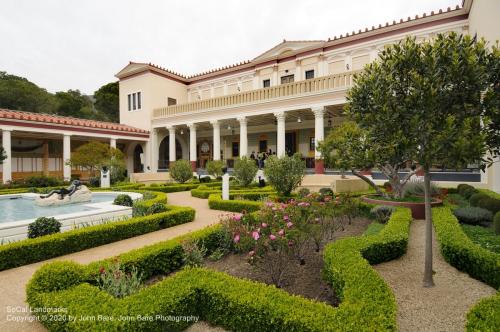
(242, 120)
(6, 129)
(215, 123)
(318, 111)
(70, 134)
(192, 125)
(280, 116)
(171, 129)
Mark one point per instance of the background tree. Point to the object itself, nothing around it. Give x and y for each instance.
(93, 156)
(431, 93)
(3, 155)
(107, 101)
(71, 102)
(350, 147)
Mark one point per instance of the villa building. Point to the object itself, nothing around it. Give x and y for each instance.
(283, 101)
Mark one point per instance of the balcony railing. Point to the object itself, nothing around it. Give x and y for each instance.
(315, 85)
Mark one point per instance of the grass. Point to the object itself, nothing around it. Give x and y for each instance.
(374, 228)
(484, 237)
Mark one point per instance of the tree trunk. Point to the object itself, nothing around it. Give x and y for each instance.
(428, 280)
(370, 182)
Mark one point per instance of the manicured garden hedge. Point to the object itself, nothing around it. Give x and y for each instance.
(258, 193)
(484, 316)
(42, 248)
(459, 251)
(177, 187)
(235, 304)
(215, 202)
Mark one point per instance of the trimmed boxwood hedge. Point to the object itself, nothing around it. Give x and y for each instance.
(176, 187)
(42, 248)
(215, 202)
(235, 304)
(204, 192)
(459, 251)
(484, 316)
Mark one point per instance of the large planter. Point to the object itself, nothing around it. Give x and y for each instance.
(417, 209)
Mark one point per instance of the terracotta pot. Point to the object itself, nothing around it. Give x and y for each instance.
(417, 209)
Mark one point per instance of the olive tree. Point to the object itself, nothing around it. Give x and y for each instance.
(94, 156)
(181, 171)
(431, 94)
(245, 170)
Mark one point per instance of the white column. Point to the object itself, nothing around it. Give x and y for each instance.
(319, 129)
(7, 163)
(280, 134)
(112, 142)
(192, 144)
(154, 150)
(243, 137)
(216, 126)
(66, 157)
(171, 144)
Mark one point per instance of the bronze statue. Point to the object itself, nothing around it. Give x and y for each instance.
(75, 185)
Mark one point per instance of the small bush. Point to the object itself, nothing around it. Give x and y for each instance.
(193, 253)
(181, 171)
(417, 188)
(285, 174)
(95, 182)
(42, 181)
(156, 208)
(326, 191)
(43, 226)
(474, 199)
(382, 213)
(496, 221)
(473, 215)
(117, 282)
(244, 171)
(123, 200)
(214, 168)
(461, 188)
(303, 192)
(205, 179)
(490, 204)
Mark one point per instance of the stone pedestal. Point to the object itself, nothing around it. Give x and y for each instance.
(225, 187)
(105, 179)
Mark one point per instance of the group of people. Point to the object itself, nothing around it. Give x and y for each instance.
(261, 157)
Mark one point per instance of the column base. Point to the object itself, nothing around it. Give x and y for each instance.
(319, 166)
(193, 165)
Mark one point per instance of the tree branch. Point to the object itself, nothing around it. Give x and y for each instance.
(370, 182)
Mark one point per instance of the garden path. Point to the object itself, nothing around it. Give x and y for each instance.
(13, 281)
(441, 308)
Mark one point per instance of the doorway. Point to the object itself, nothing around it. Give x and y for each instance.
(138, 166)
(290, 143)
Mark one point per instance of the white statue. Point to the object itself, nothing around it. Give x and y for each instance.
(75, 193)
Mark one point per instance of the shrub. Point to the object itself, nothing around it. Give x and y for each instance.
(244, 171)
(214, 168)
(326, 191)
(205, 179)
(460, 252)
(472, 215)
(490, 204)
(115, 281)
(461, 188)
(496, 221)
(215, 202)
(42, 181)
(156, 208)
(303, 192)
(123, 200)
(382, 213)
(43, 226)
(416, 188)
(484, 315)
(194, 253)
(181, 171)
(285, 174)
(95, 182)
(474, 199)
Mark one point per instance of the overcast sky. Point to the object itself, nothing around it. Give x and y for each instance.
(70, 44)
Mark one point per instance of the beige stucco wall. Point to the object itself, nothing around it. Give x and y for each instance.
(154, 93)
(484, 19)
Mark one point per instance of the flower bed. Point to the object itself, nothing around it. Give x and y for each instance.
(42, 248)
(235, 304)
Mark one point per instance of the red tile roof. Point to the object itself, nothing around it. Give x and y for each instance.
(67, 121)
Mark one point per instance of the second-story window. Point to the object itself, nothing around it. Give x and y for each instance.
(309, 74)
(171, 101)
(266, 83)
(287, 79)
(134, 101)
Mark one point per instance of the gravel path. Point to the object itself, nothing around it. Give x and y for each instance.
(440, 308)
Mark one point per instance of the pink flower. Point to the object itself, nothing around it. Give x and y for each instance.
(328, 198)
(269, 204)
(286, 217)
(236, 238)
(251, 253)
(272, 237)
(289, 224)
(281, 232)
(237, 217)
(255, 235)
(290, 243)
(264, 225)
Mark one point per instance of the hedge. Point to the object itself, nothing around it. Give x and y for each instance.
(177, 187)
(215, 202)
(484, 316)
(460, 252)
(223, 300)
(202, 192)
(45, 247)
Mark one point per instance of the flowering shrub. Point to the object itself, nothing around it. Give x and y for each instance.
(117, 282)
(280, 233)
